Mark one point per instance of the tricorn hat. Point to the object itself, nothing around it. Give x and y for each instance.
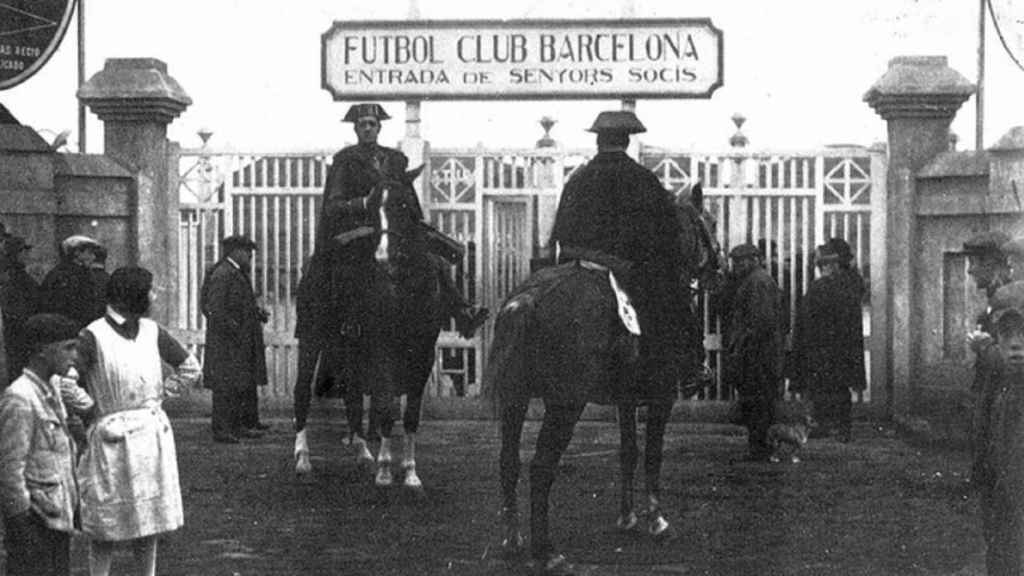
(357, 111)
(237, 241)
(744, 251)
(617, 122)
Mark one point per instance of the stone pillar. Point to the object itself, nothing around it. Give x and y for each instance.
(918, 97)
(136, 99)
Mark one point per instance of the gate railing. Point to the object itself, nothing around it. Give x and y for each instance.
(501, 205)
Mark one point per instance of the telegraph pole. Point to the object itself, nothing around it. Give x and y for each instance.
(81, 74)
(979, 96)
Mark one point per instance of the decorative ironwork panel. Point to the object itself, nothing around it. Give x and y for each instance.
(452, 180)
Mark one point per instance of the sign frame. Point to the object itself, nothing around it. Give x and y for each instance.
(53, 43)
(540, 24)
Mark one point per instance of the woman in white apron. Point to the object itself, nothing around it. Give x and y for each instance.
(128, 474)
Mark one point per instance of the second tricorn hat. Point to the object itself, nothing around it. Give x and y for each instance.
(617, 122)
(357, 111)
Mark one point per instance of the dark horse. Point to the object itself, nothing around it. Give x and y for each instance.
(561, 337)
(378, 318)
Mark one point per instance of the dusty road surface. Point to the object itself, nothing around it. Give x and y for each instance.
(877, 506)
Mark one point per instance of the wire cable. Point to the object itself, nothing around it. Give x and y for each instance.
(1002, 39)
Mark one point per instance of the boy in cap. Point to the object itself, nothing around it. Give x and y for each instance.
(35, 443)
(235, 364)
(1000, 470)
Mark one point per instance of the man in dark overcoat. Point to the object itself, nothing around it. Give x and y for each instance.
(989, 267)
(67, 289)
(19, 299)
(615, 206)
(234, 363)
(828, 339)
(753, 345)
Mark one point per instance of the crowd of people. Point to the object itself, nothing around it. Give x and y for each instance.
(80, 347)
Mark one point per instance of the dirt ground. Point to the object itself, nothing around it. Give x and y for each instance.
(878, 505)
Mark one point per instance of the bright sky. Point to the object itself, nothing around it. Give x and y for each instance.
(797, 69)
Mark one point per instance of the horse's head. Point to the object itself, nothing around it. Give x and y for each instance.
(398, 216)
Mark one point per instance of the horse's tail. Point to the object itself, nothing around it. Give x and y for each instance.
(508, 363)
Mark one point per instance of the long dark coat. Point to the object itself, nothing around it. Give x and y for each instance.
(234, 356)
(326, 290)
(19, 298)
(355, 170)
(68, 289)
(616, 206)
(828, 339)
(753, 335)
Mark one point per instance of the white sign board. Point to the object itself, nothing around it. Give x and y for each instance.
(522, 59)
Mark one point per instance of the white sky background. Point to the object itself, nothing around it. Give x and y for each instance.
(797, 69)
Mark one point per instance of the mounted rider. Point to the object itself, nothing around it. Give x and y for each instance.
(348, 197)
(615, 206)
(325, 312)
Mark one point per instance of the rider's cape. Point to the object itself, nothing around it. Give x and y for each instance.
(559, 336)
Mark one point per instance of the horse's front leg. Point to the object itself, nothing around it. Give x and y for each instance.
(658, 414)
(382, 404)
(628, 455)
(555, 434)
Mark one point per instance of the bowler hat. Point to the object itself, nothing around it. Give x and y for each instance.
(986, 244)
(237, 241)
(357, 111)
(826, 254)
(43, 329)
(744, 251)
(617, 122)
(73, 244)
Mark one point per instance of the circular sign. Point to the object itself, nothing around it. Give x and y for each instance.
(30, 31)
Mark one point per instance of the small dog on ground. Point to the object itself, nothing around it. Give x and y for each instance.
(786, 439)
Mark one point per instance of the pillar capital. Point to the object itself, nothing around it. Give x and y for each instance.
(919, 87)
(134, 90)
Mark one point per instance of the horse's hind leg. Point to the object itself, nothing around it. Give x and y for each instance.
(628, 456)
(658, 414)
(309, 366)
(555, 435)
(513, 414)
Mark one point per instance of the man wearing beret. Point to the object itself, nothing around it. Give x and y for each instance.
(753, 345)
(35, 445)
(235, 363)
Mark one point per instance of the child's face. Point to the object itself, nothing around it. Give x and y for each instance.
(60, 356)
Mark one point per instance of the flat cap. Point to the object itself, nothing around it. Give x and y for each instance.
(744, 251)
(617, 122)
(357, 111)
(237, 241)
(43, 329)
(986, 243)
(841, 248)
(73, 244)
